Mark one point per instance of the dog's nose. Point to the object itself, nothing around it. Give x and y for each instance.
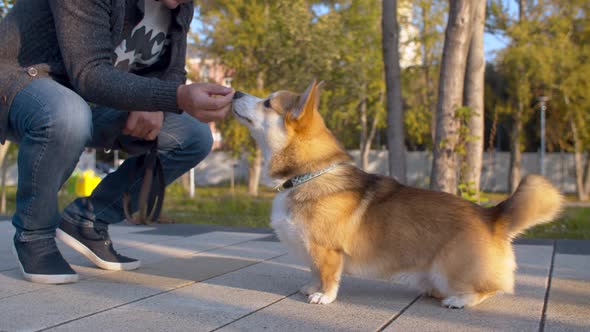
(239, 95)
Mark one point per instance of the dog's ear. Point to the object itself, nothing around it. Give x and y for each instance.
(307, 105)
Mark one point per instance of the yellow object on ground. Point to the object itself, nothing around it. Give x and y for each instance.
(86, 182)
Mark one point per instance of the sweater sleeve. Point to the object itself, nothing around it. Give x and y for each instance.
(84, 36)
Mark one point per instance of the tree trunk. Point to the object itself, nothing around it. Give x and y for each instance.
(395, 118)
(185, 181)
(450, 95)
(426, 66)
(582, 193)
(474, 94)
(4, 168)
(515, 153)
(579, 165)
(366, 148)
(3, 198)
(364, 133)
(254, 171)
(255, 167)
(587, 175)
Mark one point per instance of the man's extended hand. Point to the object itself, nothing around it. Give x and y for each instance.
(205, 101)
(144, 125)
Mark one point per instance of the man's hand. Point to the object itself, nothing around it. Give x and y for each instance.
(205, 101)
(144, 125)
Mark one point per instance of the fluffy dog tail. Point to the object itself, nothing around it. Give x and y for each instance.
(535, 201)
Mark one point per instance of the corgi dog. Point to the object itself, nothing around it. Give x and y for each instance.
(341, 219)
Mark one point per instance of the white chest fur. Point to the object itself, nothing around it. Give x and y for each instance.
(290, 231)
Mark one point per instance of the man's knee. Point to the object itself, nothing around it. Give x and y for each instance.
(189, 138)
(199, 141)
(64, 115)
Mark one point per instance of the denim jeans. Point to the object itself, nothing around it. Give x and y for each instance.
(53, 125)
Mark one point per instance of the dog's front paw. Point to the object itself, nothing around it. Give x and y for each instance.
(309, 289)
(320, 298)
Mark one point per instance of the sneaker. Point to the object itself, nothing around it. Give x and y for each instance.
(96, 245)
(40, 261)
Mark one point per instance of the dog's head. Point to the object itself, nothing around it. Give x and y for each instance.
(275, 120)
(290, 131)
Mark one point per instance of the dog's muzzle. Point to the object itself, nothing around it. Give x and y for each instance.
(239, 95)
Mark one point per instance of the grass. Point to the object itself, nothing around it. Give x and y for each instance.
(574, 223)
(218, 206)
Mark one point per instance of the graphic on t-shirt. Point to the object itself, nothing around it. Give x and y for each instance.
(145, 45)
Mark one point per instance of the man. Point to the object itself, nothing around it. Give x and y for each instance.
(124, 57)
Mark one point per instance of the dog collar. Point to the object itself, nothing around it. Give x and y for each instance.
(300, 179)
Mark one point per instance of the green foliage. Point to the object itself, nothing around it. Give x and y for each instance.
(547, 55)
(420, 79)
(467, 189)
(464, 114)
(275, 45)
(574, 223)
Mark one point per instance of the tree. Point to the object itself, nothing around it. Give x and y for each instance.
(567, 26)
(473, 98)
(5, 158)
(425, 24)
(523, 90)
(271, 45)
(358, 93)
(395, 117)
(547, 55)
(450, 95)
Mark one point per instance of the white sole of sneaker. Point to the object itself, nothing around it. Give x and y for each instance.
(86, 252)
(54, 279)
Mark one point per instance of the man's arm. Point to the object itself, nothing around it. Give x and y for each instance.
(84, 35)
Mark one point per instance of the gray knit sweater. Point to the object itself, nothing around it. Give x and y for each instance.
(72, 41)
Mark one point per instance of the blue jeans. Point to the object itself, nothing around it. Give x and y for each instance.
(53, 125)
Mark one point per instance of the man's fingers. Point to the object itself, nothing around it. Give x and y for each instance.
(130, 124)
(152, 135)
(211, 116)
(216, 89)
(215, 103)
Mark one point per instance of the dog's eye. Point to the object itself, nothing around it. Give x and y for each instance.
(267, 103)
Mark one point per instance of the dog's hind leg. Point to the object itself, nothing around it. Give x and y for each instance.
(328, 263)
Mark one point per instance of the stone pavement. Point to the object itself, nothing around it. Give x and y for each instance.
(205, 278)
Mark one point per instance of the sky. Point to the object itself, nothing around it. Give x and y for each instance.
(491, 44)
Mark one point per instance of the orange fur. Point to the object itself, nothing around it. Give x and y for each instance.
(365, 224)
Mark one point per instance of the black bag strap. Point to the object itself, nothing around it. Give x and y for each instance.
(153, 188)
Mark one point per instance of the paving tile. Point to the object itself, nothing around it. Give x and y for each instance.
(194, 308)
(362, 305)
(569, 297)
(197, 307)
(519, 312)
(184, 246)
(12, 283)
(197, 267)
(56, 304)
(7, 259)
